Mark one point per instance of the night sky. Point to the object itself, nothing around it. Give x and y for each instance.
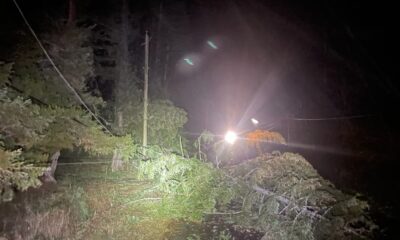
(276, 60)
(285, 59)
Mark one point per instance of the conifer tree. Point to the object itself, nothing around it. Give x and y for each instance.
(119, 57)
(40, 116)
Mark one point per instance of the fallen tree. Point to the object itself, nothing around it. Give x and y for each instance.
(281, 195)
(284, 196)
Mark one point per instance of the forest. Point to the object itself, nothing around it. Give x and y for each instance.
(113, 117)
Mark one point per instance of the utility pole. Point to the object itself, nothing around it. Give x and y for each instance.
(146, 89)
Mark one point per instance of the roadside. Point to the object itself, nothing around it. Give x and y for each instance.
(91, 202)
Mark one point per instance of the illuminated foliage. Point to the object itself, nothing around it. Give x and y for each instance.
(35, 77)
(204, 144)
(286, 198)
(36, 132)
(188, 188)
(259, 135)
(16, 174)
(255, 138)
(31, 128)
(281, 195)
(71, 52)
(164, 123)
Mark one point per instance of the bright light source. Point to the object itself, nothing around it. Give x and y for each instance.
(254, 121)
(231, 137)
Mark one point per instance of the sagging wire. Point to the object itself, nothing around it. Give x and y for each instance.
(330, 118)
(57, 69)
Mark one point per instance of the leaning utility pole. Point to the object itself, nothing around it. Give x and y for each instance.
(145, 90)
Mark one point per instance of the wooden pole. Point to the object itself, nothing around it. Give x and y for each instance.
(145, 90)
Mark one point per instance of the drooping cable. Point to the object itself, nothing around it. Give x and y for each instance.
(57, 69)
(330, 118)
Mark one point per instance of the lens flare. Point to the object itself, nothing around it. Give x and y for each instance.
(254, 121)
(231, 137)
(188, 61)
(212, 45)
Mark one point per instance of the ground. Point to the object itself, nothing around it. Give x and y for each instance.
(91, 202)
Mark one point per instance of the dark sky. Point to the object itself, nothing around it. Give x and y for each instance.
(275, 58)
(284, 58)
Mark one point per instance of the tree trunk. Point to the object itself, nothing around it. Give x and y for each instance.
(123, 66)
(117, 163)
(164, 83)
(71, 13)
(48, 175)
(120, 122)
(145, 90)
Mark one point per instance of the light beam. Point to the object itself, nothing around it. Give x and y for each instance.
(231, 137)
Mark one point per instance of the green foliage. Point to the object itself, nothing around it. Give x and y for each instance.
(97, 142)
(296, 202)
(164, 123)
(38, 131)
(36, 77)
(29, 77)
(14, 173)
(77, 199)
(206, 137)
(224, 235)
(188, 187)
(193, 237)
(30, 132)
(51, 128)
(22, 123)
(70, 51)
(204, 142)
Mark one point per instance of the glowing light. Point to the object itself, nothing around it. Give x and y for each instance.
(254, 121)
(188, 61)
(231, 137)
(212, 45)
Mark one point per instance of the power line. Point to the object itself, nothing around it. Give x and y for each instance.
(330, 118)
(57, 69)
